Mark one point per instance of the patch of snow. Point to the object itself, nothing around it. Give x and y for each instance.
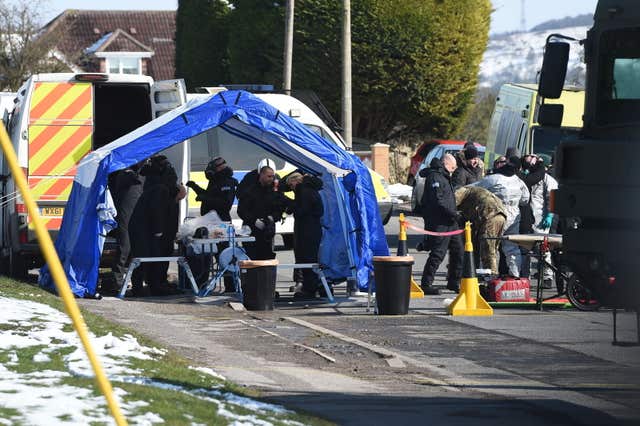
(41, 357)
(208, 371)
(400, 191)
(41, 398)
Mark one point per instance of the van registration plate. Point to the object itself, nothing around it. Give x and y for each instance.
(52, 211)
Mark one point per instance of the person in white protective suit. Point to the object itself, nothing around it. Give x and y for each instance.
(513, 192)
(540, 184)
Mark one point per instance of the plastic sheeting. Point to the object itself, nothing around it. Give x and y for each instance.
(352, 231)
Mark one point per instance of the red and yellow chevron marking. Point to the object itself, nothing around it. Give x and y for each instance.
(51, 188)
(60, 127)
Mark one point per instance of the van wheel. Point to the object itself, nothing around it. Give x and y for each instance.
(287, 240)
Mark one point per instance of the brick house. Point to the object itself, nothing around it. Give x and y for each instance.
(125, 41)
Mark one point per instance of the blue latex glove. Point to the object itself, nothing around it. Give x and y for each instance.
(546, 222)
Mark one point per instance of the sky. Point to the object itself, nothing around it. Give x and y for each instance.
(505, 18)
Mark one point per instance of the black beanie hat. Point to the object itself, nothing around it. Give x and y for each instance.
(471, 152)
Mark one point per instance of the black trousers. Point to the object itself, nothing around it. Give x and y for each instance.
(438, 249)
(124, 251)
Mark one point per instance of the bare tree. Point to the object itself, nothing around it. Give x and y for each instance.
(24, 48)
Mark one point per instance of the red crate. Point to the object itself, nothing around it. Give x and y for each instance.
(509, 290)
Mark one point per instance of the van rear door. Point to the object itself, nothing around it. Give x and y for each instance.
(60, 130)
(165, 96)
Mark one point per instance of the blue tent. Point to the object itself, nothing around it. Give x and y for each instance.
(353, 231)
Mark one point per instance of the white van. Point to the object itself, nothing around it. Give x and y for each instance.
(58, 119)
(243, 156)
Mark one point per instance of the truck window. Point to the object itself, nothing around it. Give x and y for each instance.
(618, 91)
(626, 75)
(119, 109)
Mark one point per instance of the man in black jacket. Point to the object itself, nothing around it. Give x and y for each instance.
(468, 170)
(218, 196)
(126, 188)
(440, 215)
(260, 206)
(220, 191)
(307, 229)
(154, 223)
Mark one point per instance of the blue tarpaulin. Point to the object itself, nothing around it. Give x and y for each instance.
(352, 234)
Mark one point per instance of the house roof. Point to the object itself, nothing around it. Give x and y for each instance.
(118, 41)
(91, 31)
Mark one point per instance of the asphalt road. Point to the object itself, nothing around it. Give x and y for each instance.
(344, 363)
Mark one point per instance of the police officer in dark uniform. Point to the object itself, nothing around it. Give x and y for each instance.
(126, 188)
(218, 196)
(440, 215)
(307, 210)
(260, 206)
(154, 224)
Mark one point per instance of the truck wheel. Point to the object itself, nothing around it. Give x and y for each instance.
(287, 240)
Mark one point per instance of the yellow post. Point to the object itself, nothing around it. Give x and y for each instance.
(469, 301)
(416, 290)
(59, 277)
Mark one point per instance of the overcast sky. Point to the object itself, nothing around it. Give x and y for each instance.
(505, 18)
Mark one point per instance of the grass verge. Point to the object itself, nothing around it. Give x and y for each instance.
(169, 388)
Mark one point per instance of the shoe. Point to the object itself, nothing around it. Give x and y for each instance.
(430, 290)
(301, 295)
(453, 287)
(420, 246)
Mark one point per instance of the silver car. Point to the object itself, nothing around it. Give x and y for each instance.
(437, 152)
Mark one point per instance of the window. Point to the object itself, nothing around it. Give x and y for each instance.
(124, 65)
(239, 153)
(626, 75)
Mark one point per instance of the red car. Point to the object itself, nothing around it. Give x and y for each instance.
(422, 152)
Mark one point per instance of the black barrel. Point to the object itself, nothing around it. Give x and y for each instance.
(393, 284)
(258, 278)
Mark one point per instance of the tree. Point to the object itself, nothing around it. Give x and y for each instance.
(24, 50)
(476, 125)
(415, 62)
(256, 42)
(202, 36)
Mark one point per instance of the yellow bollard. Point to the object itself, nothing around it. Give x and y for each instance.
(416, 290)
(59, 278)
(469, 302)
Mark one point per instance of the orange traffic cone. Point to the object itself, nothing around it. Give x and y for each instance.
(469, 301)
(416, 291)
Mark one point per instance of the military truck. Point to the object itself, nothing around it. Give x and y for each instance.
(597, 171)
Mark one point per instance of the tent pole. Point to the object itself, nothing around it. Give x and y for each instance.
(343, 218)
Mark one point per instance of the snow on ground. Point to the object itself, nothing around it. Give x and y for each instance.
(42, 398)
(400, 192)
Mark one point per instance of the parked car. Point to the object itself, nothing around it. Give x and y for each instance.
(444, 147)
(422, 151)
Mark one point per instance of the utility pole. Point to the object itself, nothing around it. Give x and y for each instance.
(288, 47)
(346, 73)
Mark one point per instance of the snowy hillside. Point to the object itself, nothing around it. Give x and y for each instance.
(518, 57)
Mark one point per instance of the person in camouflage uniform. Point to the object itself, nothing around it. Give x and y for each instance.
(487, 215)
